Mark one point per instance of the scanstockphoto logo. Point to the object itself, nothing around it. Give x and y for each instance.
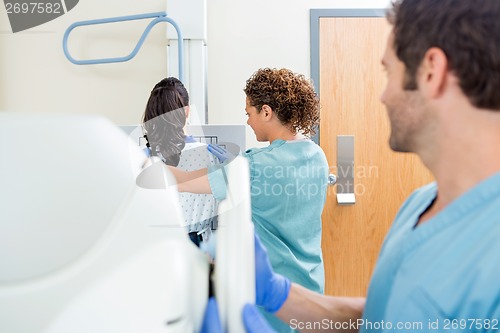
(24, 15)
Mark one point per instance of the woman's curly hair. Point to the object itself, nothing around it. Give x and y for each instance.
(291, 97)
(164, 120)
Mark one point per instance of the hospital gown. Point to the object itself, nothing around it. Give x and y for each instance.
(200, 210)
(443, 275)
(288, 190)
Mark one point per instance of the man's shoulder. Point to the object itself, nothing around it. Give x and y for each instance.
(414, 205)
(420, 196)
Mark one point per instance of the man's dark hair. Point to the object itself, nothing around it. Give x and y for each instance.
(468, 32)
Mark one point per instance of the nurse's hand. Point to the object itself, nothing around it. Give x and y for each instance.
(271, 289)
(222, 154)
(254, 321)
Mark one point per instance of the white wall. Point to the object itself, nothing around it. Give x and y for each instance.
(242, 37)
(35, 75)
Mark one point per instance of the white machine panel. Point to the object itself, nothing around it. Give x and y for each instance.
(231, 137)
(83, 248)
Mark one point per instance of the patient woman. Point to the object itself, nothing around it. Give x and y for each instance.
(164, 123)
(288, 178)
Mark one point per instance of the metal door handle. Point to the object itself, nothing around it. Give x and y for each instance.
(332, 179)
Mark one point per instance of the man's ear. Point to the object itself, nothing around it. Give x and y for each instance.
(433, 72)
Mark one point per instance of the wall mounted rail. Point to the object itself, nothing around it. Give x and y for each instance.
(157, 18)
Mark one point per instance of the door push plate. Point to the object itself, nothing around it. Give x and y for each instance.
(345, 170)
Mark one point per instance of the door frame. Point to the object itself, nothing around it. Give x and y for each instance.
(315, 15)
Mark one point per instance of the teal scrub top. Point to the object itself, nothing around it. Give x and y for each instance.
(288, 190)
(443, 275)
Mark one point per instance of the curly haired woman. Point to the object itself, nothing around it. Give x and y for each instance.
(288, 178)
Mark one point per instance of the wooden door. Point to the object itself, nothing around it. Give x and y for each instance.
(351, 82)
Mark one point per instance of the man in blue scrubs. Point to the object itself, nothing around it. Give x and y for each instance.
(439, 267)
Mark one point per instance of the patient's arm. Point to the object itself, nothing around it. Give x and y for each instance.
(192, 181)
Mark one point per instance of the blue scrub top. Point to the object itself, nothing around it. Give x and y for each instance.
(443, 275)
(288, 190)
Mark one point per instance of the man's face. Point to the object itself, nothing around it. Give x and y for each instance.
(404, 107)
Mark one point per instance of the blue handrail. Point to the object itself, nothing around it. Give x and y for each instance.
(159, 17)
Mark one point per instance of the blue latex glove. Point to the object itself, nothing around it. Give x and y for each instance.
(221, 153)
(211, 320)
(147, 152)
(271, 289)
(254, 321)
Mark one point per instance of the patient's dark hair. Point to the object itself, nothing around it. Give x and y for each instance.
(164, 119)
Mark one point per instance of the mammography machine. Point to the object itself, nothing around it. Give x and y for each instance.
(91, 240)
